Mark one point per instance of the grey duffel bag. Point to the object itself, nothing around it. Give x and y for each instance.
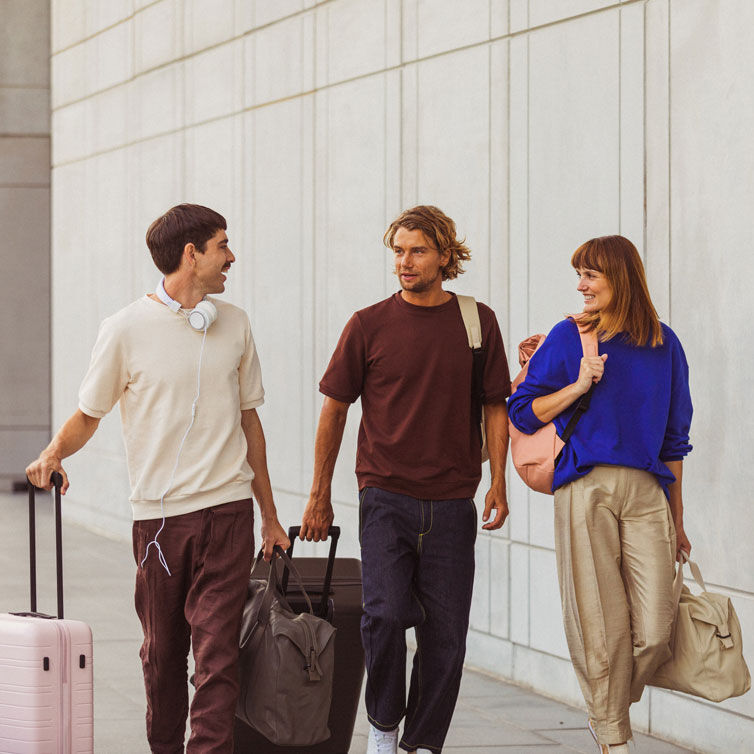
(286, 664)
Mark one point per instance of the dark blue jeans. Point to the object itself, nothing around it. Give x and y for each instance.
(418, 571)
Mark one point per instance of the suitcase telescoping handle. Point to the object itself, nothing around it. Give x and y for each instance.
(57, 483)
(333, 534)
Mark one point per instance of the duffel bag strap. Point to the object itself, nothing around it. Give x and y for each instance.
(296, 576)
(723, 630)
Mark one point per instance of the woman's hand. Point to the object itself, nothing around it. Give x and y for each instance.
(547, 407)
(590, 372)
(681, 542)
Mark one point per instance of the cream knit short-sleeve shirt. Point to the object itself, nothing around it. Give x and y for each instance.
(147, 357)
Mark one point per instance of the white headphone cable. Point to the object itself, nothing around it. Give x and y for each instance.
(175, 465)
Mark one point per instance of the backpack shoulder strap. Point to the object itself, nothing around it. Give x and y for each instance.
(589, 343)
(589, 347)
(470, 314)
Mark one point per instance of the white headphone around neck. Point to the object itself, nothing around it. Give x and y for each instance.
(200, 317)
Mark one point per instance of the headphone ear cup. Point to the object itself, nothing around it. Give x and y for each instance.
(203, 315)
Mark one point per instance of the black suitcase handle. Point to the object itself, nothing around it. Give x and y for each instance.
(57, 482)
(333, 534)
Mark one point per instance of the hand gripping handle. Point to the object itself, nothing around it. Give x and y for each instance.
(333, 534)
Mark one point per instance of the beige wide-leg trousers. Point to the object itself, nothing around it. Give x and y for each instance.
(615, 549)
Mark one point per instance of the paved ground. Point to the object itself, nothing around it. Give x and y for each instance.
(492, 716)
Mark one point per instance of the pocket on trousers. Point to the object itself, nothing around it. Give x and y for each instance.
(139, 537)
(362, 495)
(475, 517)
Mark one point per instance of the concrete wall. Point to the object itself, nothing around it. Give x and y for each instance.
(535, 124)
(24, 219)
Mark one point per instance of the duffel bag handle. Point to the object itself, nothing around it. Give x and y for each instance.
(272, 590)
(273, 586)
(723, 631)
(695, 572)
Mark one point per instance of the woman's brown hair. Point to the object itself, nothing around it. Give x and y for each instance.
(439, 229)
(630, 311)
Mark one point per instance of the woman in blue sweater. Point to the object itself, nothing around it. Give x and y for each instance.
(618, 502)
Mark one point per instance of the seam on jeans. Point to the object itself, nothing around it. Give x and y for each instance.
(388, 726)
(418, 675)
(421, 526)
(431, 519)
(431, 516)
(420, 746)
(362, 495)
(476, 513)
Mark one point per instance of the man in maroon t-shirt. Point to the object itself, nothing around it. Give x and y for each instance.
(418, 466)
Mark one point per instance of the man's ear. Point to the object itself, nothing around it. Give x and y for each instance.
(189, 254)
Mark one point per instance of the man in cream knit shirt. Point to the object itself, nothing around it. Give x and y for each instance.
(188, 387)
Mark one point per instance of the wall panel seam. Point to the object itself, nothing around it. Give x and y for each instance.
(34, 87)
(422, 59)
(21, 186)
(234, 38)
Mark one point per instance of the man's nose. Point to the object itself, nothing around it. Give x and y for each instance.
(229, 254)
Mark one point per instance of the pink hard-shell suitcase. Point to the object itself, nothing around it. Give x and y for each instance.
(46, 690)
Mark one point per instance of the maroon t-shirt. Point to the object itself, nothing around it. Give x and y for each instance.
(411, 366)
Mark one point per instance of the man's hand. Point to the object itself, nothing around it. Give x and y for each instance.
(273, 534)
(496, 499)
(72, 436)
(316, 521)
(40, 471)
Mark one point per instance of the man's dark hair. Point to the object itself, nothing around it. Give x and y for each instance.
(182, 224)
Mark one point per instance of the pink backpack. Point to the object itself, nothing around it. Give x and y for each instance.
(535, 455)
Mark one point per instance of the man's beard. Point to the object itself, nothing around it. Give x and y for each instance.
(418, 286)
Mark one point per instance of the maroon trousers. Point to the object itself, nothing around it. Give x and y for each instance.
(209, 553)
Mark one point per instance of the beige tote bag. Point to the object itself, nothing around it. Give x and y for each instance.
(706, 644)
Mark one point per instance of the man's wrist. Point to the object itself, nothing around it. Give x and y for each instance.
(320, 501)
(50, 454)
(497, 484)
(320, 493)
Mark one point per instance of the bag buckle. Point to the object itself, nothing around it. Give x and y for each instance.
(726, 640)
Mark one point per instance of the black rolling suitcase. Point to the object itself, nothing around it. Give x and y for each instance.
(334, 586)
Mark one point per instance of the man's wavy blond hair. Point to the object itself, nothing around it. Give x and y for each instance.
(438, 229)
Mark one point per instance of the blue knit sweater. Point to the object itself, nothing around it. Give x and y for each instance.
(640, 410)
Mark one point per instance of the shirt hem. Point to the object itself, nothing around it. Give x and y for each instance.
(335, 396)
(91, 412)
(252, 404)
(497, 398)
(420, 491)
(144, 510)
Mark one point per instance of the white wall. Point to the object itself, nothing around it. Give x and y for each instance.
(24, 219)
(536, 125)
